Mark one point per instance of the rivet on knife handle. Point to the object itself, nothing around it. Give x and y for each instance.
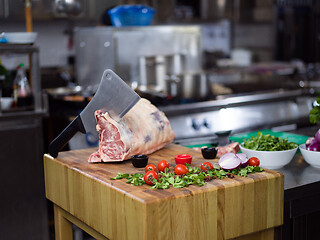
(63, 138)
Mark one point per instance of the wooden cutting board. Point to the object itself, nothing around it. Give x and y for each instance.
(221, 209)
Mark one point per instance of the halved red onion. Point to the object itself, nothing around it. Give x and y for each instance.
(243, 158)
(229, 161)
(315, 147)
(310, 141)
(317, 136)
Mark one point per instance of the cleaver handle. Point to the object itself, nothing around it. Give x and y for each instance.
(63, 138)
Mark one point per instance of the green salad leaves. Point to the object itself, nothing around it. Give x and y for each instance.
(268, 143)
(194, 177)
(314, 114)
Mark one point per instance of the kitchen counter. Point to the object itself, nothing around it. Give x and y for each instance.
(301, 197)
(298, 172)
(83, 194)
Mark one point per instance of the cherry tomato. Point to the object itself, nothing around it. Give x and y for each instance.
(162, 165)
(180, 169)
(253, 161)
(150, 167)
(206, 166)
(149, 176)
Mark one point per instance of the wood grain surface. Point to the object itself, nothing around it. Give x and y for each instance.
(221, 209)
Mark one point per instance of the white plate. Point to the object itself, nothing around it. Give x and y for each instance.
(21, 37)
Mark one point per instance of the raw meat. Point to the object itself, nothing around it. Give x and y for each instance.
(232, 147)
(143, 130)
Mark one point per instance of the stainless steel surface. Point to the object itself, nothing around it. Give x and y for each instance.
(99, 48)
(243, 113)
(113, 96)
(94, 52)
(234, 101)
(298, 172)
(64, 91)
(188, 86)
(68, 7)
(154, 69)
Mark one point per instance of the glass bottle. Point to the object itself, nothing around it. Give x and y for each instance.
(21, 89)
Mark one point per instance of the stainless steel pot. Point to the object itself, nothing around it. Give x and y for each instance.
(153, 69)
(188, 86)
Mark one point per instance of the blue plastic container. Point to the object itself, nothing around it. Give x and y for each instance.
(131, 15)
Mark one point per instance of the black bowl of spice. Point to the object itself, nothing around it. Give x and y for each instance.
(139, 161)
(209, 152)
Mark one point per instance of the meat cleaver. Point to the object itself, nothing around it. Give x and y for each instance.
(113, 96)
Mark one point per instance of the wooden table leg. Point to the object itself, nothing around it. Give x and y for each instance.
(63, 228)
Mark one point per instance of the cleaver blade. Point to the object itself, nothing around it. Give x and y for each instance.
(113, 96)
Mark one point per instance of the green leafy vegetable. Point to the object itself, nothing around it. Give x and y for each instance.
(314, 114)
(268, 143)
(194, 177)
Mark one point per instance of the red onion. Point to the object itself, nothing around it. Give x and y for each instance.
(243, 158)
(310, 140)
(317, 136)
(229, 161)
(314, 147)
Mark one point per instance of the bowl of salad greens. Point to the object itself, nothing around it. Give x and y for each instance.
(273, 152)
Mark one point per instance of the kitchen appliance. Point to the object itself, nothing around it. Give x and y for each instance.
(200, 122)
(194, 86)
(149, 52)
(155, 69)
(113, 96)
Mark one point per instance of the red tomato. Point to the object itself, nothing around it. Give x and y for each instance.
(149, 176)
(253, 161)
(206, 166)
(180, 169)
(162, 165)
(150, 167)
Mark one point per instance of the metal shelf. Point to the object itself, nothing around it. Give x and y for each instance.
(34, 77)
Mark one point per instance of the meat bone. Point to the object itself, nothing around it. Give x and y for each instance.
(113, 96)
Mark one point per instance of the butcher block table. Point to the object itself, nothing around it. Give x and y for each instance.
(231, 208)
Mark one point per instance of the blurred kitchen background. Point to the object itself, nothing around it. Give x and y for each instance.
(215, 67)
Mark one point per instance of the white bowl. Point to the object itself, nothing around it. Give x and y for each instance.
(311, 157)
(271, 159)
(6, 103)
(21, 37)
